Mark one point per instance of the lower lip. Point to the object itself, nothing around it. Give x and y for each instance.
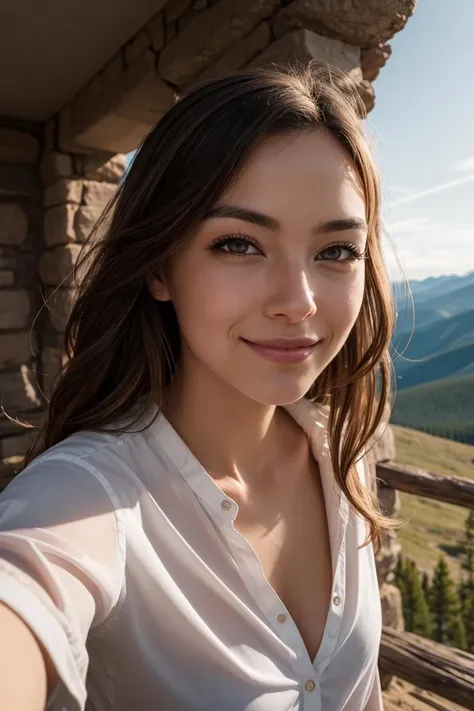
(282, 355)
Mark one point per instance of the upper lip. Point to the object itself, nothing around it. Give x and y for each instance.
(287, 343)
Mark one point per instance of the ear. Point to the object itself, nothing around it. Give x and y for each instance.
(158, 289)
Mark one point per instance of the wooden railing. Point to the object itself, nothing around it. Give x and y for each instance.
(434, 667)
(412, 480)
(445, 671)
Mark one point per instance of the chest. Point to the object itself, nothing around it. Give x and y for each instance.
(288, 532)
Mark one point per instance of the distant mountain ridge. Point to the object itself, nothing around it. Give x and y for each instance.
(436, 393)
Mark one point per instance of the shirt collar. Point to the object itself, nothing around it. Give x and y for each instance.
(311, 418)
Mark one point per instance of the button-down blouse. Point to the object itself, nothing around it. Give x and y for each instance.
(119, 552)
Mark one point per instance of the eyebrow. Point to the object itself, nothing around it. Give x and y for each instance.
(258, 218)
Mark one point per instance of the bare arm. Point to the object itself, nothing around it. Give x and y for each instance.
(25, 669)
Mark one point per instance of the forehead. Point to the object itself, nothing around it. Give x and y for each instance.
(308, 171)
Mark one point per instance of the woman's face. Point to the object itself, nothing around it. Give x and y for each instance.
(270, 285)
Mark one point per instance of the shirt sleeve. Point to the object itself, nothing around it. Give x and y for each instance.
(62, 557)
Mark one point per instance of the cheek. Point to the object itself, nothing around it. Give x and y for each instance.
(208, 300)
(342, 303)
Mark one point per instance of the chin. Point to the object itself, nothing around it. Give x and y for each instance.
(280, 395)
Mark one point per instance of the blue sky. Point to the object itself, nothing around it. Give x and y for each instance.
(422, 129)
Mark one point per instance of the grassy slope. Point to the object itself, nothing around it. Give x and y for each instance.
(432, 524)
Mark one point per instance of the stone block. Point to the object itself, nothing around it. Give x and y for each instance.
(145, 95)
(98, 194)
(114, 113)
(367, 94)
(175, 9)
(85, 219)
(241, 54)
(16, 348)
(304, 46)
(18, 146)
(18, 446)
(18, 390)
(55, 166)
(7, 278)
(56, 266)
(136, 46)
(19, 180)
(104, 168)
(14, 309)
(59, 224)
(58, 304)
(209, 36)
(392, 613)
(390, 500)
(156, 32)
(372, 59)
(384, 445)
(49, 136)
(361, 23)
(387, 559)
(52, 361)
(13, 225)
(63, 191)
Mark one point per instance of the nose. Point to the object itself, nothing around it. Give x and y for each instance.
(292, 297)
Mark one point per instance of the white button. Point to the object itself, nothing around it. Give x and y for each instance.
(332, 633)
(226, 505)
(281, 618)
(337, 600)
(310, 685)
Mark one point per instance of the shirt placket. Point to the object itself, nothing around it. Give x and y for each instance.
(278, 616)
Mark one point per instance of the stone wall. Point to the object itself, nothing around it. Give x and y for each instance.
(49, 202)
(190, 41)
(76, 189)
(21, 242)
(392, 613)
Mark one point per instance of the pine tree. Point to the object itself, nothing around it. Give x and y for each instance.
(466, 587)
(457, 636)
(444, 605)
(415, 607)
(399, 572)
(467, 550)
(468, 619)
(425, 585)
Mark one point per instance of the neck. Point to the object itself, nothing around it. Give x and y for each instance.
(232, 436)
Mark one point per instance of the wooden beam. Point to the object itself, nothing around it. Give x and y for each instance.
(412, 480)
(443, 670)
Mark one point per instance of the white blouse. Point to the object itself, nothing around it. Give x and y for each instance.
(119, 552)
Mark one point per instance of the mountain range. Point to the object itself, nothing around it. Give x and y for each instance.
(433, 354)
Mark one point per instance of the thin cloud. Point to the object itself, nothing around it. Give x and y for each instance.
(431, 191)
(400, 191)
(411, 225)
(464, 166)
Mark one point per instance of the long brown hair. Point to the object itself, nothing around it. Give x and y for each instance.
(122, 346)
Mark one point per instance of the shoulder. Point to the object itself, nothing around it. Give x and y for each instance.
(83, 468)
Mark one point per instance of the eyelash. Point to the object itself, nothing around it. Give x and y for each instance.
(217, 245)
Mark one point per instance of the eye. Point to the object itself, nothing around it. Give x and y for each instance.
(345, 252)
(235, 245)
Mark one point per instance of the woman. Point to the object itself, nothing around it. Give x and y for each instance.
(198, 531)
